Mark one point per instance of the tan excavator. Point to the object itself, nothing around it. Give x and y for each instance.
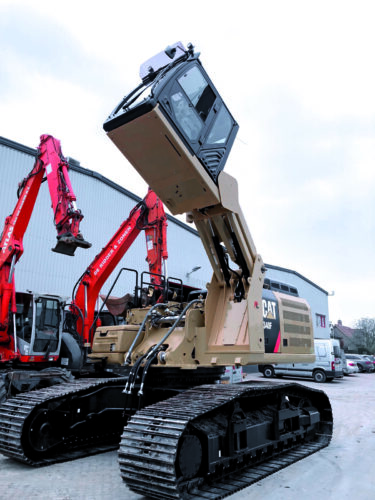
(176, 131)
(184, 434)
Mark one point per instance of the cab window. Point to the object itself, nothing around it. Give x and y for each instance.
(47, 314)
(221, 128)
(186, 116)
(198, 91)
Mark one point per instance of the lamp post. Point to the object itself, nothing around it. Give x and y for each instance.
(196, 268)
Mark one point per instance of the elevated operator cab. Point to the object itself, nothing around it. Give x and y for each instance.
(175, 119)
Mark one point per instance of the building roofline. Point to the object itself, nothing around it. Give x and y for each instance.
(278, 268)
(349, 334)
(75, 165)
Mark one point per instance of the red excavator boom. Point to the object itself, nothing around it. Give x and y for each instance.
(148, 215)
(50, 164)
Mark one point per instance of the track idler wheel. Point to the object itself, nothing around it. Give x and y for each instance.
(43, 433)
(189, 458)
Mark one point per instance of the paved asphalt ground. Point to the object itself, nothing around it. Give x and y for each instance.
(344, 470)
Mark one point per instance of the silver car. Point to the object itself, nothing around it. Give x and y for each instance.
(369, 357)
(364, 365)
(350, 367)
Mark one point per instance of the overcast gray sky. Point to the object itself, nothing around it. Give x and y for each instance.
(298, 76)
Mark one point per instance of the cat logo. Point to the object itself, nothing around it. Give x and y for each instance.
(269, 309)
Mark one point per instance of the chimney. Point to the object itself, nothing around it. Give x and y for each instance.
(339, 322)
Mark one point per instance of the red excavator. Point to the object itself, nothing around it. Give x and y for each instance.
(16, 326)
(30, 323)
(72, 345)
(147, 215)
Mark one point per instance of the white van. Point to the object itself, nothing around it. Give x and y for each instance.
(232, 375)
(340, 360)
(327, 366)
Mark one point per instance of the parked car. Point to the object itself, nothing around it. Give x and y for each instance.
(322, 370)
(369, 357)
(364, 365)
(350, 367)
(372, 358)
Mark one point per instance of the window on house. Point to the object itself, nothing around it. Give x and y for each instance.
(320, 320)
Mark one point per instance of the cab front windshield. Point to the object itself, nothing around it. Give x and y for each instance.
(193, 104)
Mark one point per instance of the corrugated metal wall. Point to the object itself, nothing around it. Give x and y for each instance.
(104, 206)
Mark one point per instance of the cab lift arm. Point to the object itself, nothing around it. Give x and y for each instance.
(50, 164)
(189, 133)
(148, 215)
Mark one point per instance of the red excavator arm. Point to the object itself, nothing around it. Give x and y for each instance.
(148, 215)
(156, 236)
(50, 164)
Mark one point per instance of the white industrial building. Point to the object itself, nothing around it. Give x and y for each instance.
(105, 205)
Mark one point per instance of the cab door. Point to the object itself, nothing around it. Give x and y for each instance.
(47, 326)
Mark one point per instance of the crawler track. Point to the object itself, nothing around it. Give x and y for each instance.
(3, 391)
(46, 426)
(158, 438)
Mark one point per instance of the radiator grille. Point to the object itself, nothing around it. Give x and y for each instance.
(300, 329)
(293, 316)
(297, 342)
(294, 305)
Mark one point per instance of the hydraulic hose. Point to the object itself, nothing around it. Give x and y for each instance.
(186, 308)
(128, 356)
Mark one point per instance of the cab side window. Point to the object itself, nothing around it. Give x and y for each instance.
(221, 127)
(199, 92)
(186, 116)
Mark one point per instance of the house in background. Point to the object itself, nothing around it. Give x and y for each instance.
(346, 335)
